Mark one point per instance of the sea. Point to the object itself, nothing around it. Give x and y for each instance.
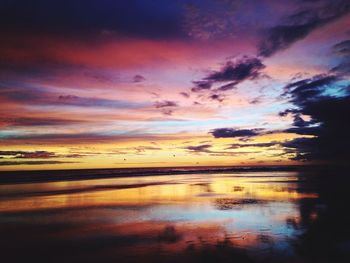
(186, 214)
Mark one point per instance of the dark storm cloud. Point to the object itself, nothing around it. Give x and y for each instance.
(155, 19)
(232, 133)
(297, 26)
(326, 101)
(231, 74)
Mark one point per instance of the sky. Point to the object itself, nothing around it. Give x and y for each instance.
(117, 84)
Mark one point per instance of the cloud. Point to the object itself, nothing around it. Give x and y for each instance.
(306, 90)
(28, 155)
(232, 132)
(167, 112)
(299, 25)
(32, 122)
(238, 70)
(143, 149)
(243, 145)
(200, 148)
(73, 100)
(205, 149)
(5, 163)
(34, 95)
(166, 106)
(256, 100)
(231, 74)
(325, 100)
(185, 94)
(342, 49)
(36, 155)
(138, 78)
(201, 85)
(76, 138)
(100, 77)
(217, 97)
(301, 148)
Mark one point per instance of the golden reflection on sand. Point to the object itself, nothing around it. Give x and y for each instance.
(147, 190)
(190, 216)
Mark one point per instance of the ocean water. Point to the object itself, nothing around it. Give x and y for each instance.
(200, 216)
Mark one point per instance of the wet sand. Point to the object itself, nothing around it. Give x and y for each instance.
(270, 216)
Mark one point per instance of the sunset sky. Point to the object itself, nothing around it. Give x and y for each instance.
(153, 83)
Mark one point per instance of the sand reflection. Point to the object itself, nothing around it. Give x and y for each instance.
(190, 218)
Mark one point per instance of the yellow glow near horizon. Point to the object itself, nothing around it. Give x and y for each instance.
(163, 152)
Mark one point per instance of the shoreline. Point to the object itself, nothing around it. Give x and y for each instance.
(41, 176)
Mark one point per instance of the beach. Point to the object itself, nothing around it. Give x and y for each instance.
(251, 216)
